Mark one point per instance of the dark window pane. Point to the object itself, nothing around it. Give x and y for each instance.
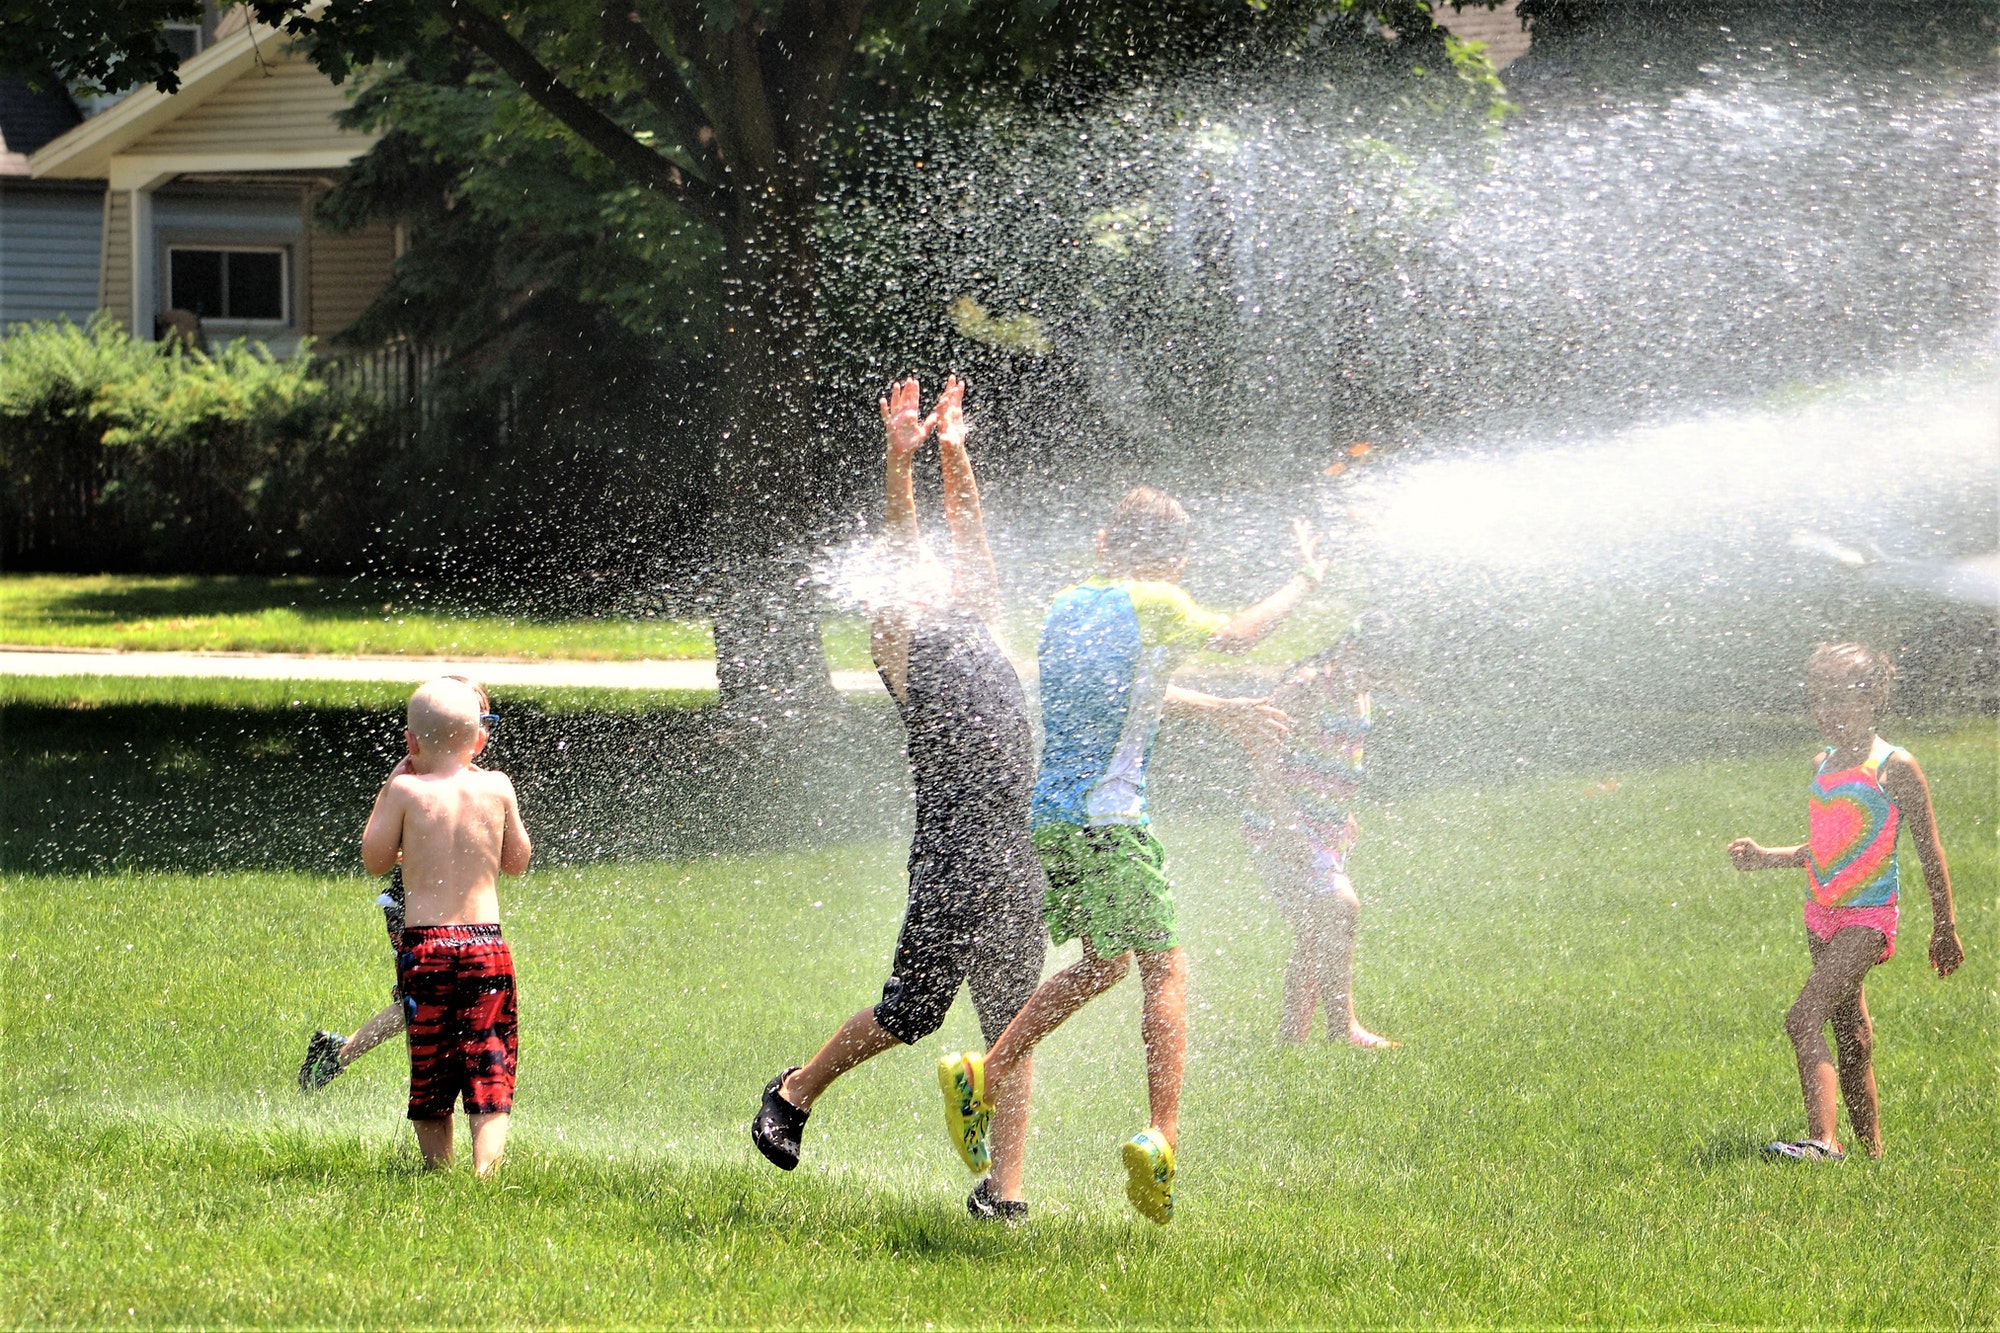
(195, 281)
(256, 281)
(183, 39)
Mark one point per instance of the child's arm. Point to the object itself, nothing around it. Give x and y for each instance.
(1904, 783)
(1745, 854)
(515, 847)
(1252, 624)
(382, 839)
(1256, 722)
(889, 630)
(975, 582)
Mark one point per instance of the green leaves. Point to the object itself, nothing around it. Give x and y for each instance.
(93, 45)
(116, 451)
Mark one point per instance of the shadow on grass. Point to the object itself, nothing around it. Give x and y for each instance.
(200, 787)
(121, 600)
(1729, 1146)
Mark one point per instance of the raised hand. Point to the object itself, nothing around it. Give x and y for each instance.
(1307, 543)
(950, 413)
(903, 419)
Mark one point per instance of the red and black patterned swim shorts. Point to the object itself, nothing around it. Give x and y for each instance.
(458, 995)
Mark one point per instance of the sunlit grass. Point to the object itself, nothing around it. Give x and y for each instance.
(85, 693)
(306, 615)
(1591, 1002)
(190, 613)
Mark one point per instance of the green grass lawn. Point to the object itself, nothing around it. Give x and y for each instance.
(1590, 998)
(305, 615)
(96, 693)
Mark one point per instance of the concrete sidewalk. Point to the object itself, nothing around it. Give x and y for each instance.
(691, 674)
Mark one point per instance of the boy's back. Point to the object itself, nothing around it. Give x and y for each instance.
(455, 830)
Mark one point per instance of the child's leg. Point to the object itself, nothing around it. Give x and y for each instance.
(489, 1140)
(1163, 1027)
(434, 1138)
(1839, 965)
(860, 1038)
(1010, 1068)
(1854, 1043)
(373, 1033)
(1007, 1139)
(1050, 1007)
(1338, 913)
(1302, 975)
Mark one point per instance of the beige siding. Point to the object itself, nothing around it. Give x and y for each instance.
(347, 272)
(1500, 28)
(286, 105)
(114, 283)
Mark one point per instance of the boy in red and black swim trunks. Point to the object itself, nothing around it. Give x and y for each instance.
(456, 828)
(328, 1054)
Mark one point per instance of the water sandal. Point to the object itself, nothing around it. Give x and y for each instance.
(779, 1125)
(967, 1113)
(1149, 1170)
(1806, 1150)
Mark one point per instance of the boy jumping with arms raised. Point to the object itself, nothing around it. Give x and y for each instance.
(456, 828)
(1108, 650)
(1862, 792)
(975, 883)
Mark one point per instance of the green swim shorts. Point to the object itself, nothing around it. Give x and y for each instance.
(1107, 885)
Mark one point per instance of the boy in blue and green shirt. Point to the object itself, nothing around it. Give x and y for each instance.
(1108, 651)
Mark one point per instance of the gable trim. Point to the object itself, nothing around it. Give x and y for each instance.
(87, 152)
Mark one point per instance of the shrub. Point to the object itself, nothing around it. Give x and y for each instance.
(122, 454)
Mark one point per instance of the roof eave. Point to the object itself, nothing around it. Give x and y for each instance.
(85, 152)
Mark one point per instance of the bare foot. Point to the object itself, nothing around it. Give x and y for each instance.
(1361, 1037)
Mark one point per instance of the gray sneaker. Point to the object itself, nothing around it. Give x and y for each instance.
(981, 1204)
(322, 1064)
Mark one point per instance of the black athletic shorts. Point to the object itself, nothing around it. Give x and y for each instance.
(975, 917)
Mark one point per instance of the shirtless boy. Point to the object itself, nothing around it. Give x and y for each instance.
(328, 1054)
(456, 828)
(975, 883)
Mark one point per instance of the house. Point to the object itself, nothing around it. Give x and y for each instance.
(50, 231)
(202, 200)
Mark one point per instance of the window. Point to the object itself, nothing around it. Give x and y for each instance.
(183, 39)
(245, 285)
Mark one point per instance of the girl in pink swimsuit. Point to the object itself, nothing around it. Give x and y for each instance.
(1863, 792)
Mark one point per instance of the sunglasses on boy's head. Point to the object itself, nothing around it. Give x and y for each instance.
(490, 721)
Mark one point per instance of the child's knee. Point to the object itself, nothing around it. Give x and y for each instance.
(1803, 1023)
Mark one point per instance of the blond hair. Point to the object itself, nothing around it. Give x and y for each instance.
(444, 714)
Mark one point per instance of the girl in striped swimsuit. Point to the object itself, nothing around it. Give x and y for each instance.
(1300, 828)
(1862, 793)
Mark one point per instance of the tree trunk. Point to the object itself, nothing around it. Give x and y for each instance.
(766, 507)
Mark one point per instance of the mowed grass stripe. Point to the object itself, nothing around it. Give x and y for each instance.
(230, 613)
(1591, 1000)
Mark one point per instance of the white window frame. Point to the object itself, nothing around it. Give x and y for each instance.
(286, 270)
(199, 30)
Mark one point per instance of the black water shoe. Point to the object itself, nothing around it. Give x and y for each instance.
(322, 1065)
(779, 1125)
(981, 1204)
